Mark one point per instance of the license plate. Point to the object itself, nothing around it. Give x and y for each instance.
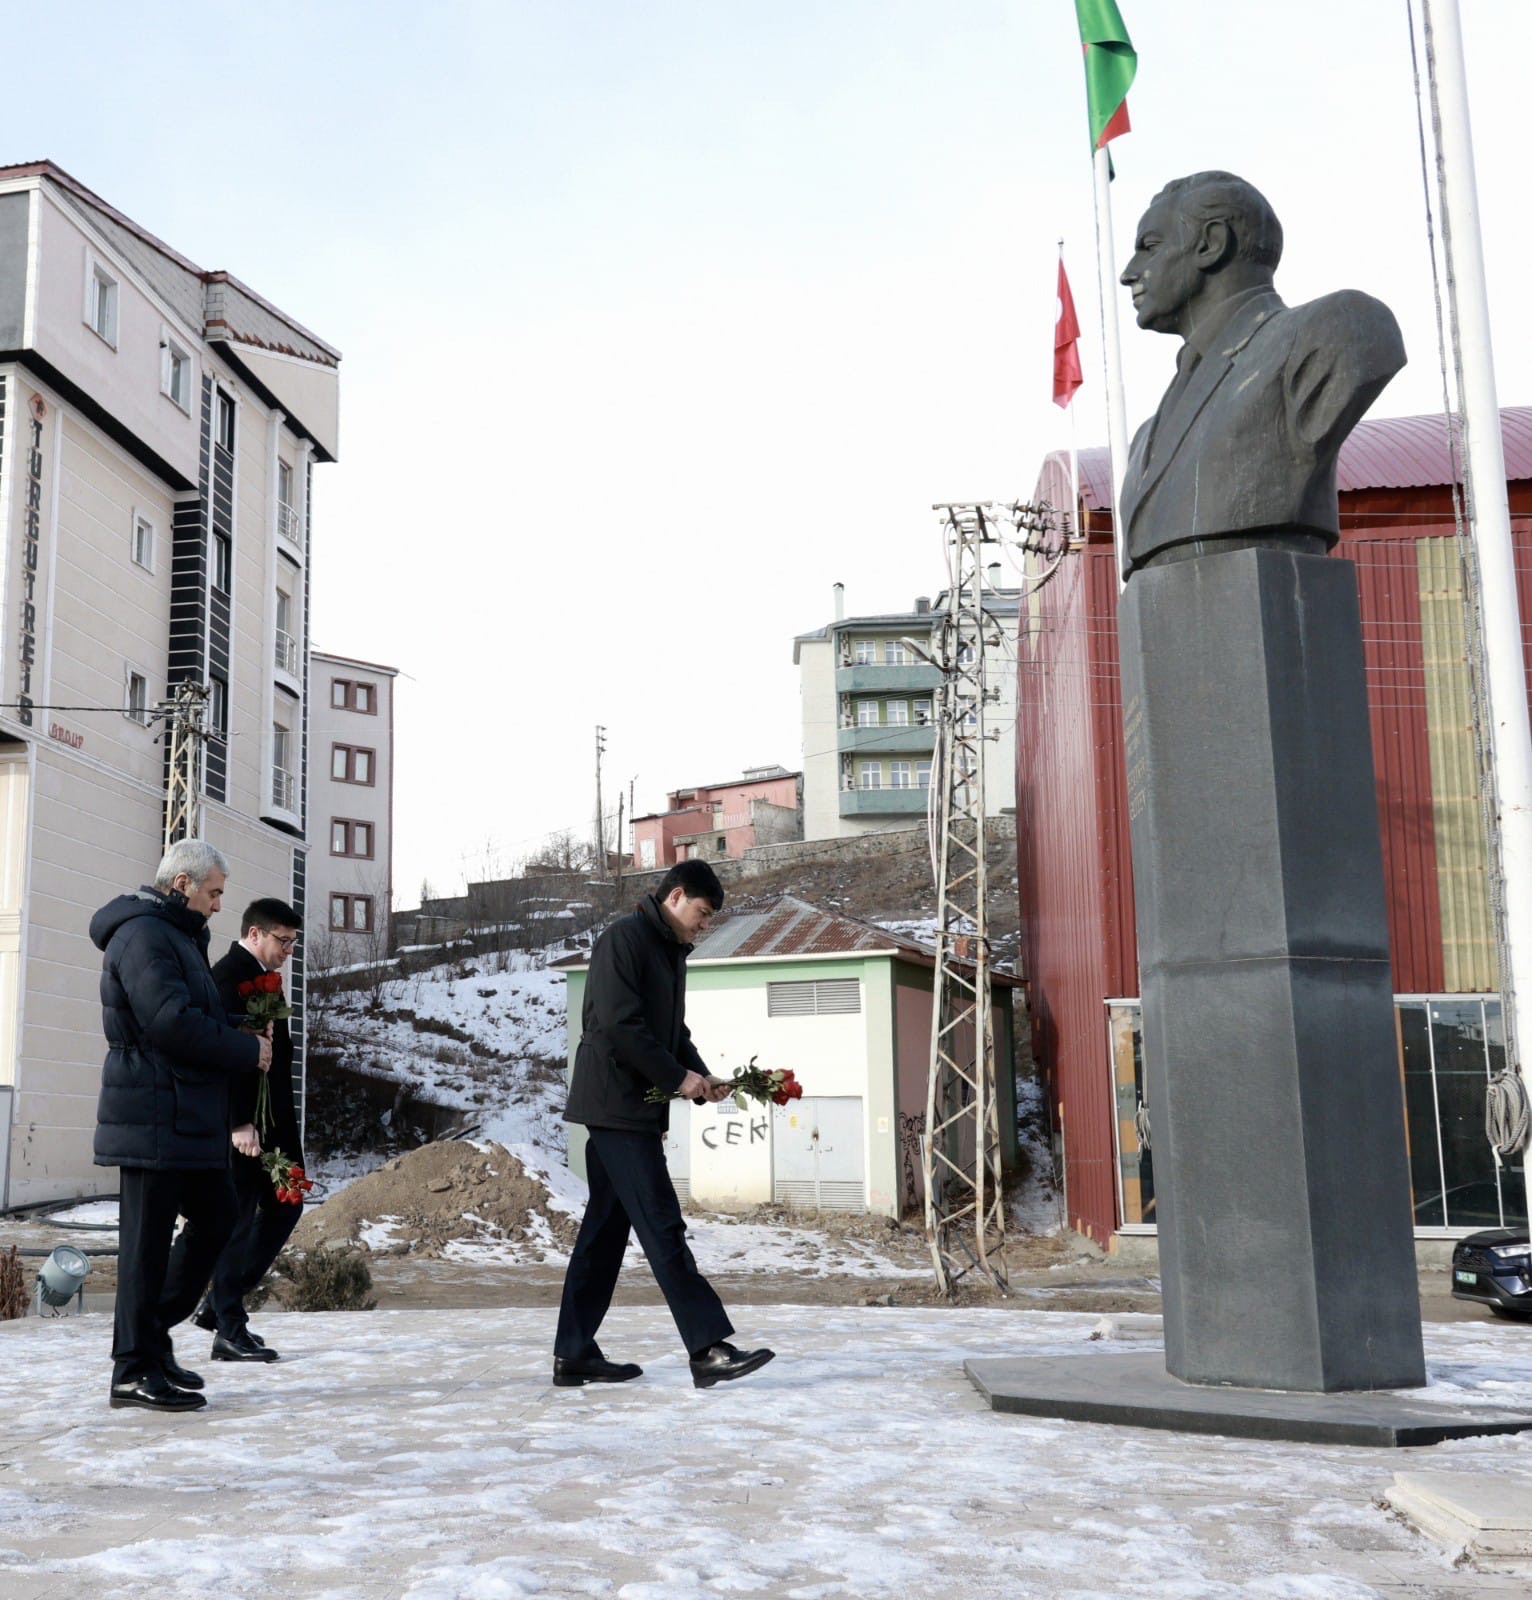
(1466, 1277)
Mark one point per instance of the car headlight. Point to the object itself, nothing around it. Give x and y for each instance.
(1511, 1254)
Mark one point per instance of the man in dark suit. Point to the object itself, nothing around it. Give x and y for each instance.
(269, 930)
(163, 1118)
(1242, 449)
(635, 1039)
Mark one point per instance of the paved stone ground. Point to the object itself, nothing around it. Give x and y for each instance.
(423, 1455)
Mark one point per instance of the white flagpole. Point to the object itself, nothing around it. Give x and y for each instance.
(1111, 347)
(1509, 726)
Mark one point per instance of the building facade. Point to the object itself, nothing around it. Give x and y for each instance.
(160, 428)
(1075, 866)
(351, 879)
(869, 698)
(721, 821)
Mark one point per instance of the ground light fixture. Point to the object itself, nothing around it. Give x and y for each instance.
(62, 1277)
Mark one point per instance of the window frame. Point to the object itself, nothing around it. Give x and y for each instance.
(97, 274)
(351, 691)
(864, 652)
(868, 714)
(139, 715)
(900, 775)
(225, 405)
(350, 752)
(172, 351)
(222, 564)
(895, 653)
(866, 770)
(348, 904)
(349, 825)
(137, 521)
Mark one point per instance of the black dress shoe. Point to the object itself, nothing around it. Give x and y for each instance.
(157, 1393)
(181, 1377)
(572, 1371)
(720, 1363)
(241, 1347)
(203, 1318)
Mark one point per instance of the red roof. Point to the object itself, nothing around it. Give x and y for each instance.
(1389, 453)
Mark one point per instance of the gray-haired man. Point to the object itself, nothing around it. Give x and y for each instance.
(163, 1117)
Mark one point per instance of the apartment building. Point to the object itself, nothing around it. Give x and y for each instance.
(159, 426)
(869, 697)
(721, 820)
(351, 797)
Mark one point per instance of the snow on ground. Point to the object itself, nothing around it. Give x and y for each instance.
(425, 1456)
(461, 1035)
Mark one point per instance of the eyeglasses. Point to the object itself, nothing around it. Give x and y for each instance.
(287, 941)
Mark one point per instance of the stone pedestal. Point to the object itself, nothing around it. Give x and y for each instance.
(1282, 1184)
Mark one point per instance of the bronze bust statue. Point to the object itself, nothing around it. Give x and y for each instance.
(1242, 449)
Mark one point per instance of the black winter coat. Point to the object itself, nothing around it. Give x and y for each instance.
(238, 967)
(171, 1054)
(633, 1025)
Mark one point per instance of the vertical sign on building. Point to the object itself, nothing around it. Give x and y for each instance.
(31, 589)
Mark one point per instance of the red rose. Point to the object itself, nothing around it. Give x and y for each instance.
(295, 1172)
(246, 989)
(269, 983)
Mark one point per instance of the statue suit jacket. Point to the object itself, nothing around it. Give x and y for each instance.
(1250, 442)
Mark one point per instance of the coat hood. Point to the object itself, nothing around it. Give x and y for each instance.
(146, 902)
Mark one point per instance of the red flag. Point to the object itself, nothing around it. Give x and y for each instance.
(1067, 376)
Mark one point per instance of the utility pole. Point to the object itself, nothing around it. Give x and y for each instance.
(1505, 722)
(600, 818)
(622, 846)
(960, 1149)
(183, 785)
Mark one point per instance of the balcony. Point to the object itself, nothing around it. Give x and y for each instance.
(284, 790)
(883, 802)
(289, 524)
(887, 680)
(888, 739)
(287, 654)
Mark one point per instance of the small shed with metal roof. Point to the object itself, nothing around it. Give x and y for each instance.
(846, 1004)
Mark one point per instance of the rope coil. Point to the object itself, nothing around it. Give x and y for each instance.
(1507, 1114)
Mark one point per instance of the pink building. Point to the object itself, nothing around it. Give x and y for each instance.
(765, 806)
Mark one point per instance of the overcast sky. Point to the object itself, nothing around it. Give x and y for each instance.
(658, 318)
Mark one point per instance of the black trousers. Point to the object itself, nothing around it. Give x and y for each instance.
(630, 1187)
(263, 1226)
(157, 1287)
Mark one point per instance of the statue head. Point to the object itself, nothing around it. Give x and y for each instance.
(1203, 239)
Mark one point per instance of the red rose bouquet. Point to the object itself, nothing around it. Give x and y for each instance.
(289, 1179)
(264, 1000)
(752, 1082)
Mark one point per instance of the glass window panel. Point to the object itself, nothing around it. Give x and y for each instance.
(1135, 1164)
(899, 775)
(863, 652)
(871, 775)
(338, 912)
(899, 713)
(363, 766)
(337, 838)
(363, 844)
(364, 697)
(338, 762)
(1462, 1072)
(867, 713)
(361, 913)
(1420, 1115)
(1513, 1177)
(923, 774)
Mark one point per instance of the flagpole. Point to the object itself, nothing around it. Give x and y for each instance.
(1508, 723)
(1111, 346)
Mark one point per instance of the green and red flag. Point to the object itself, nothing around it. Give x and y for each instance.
(1110, 63)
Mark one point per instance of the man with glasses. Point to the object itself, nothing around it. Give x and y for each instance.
(270, 930)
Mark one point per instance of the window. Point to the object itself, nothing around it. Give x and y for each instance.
(218, 704)
(864, 652)
(225, 421)
(870, 775)
(284, 783)
(894, 653)
(966, 654)
(350, 838)
(175, 371)
(286, 646)
(898, 713)
(899, 775)
(143, 542)
(867, 713)
(823, 997)
(136, 707)
(223, 563)
(350, 764)
(100, 300)
(923, 713)
(284, 485)
(348, 695)
(922, 774)
(351, 913)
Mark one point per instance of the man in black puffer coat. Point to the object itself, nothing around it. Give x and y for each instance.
(635, 1039)
(163, 1117)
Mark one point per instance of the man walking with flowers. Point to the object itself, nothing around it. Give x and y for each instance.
(269, 1181)
(635, 1054)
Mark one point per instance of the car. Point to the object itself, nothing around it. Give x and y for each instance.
(1495, 1268)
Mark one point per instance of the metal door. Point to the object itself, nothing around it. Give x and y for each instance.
(816, 1154)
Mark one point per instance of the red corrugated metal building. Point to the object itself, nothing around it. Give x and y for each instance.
(1075, 868)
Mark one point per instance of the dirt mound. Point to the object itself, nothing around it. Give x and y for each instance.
(435, 1194)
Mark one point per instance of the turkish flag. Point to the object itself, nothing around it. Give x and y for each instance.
(1067, 376)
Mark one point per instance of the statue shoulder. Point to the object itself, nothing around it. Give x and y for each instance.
(1350, 319)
